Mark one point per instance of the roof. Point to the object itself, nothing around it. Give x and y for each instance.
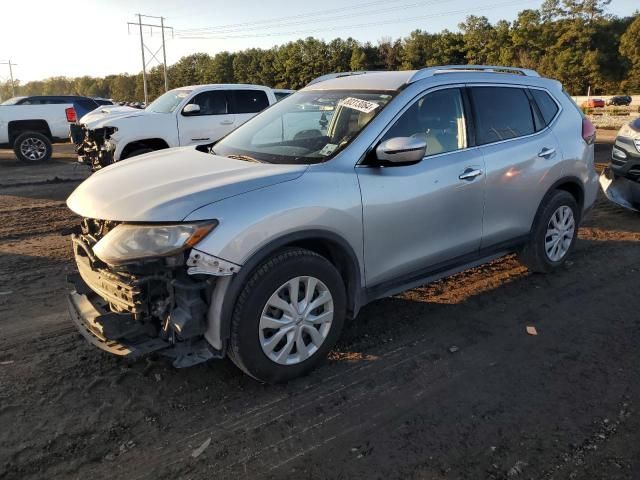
(222, 85)
(364, 81)
(385, 80)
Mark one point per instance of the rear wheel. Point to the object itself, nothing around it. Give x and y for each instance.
(288, 316)
(554, 233)
(32, 147)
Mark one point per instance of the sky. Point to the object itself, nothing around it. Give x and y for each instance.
(90, 37)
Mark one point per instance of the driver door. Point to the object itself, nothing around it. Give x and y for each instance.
(211, 123)
(419, 217)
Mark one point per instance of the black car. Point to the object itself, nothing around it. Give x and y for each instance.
(622, 100)
(82, 105)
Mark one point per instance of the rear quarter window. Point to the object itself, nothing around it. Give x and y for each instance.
(501, 113)
(249, 101)
(546, 104)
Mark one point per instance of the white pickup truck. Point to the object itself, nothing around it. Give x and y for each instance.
(193, 115)
(31, 129)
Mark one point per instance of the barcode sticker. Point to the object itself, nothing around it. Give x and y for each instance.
(358, 104)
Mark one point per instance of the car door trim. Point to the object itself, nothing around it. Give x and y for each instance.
(444, 269)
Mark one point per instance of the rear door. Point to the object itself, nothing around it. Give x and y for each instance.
(520, 154)
(247, 103)
(212, 122)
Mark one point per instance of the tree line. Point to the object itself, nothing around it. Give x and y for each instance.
(574, 41)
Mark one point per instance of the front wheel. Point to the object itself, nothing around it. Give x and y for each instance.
(288, 316)
(554, 233)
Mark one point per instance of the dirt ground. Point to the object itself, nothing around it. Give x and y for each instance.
(441, 382)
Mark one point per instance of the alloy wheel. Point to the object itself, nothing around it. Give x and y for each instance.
(560, 232)
(33, 149)
(296, 320)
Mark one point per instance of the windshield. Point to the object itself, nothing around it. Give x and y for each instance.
(306, 127)
(12, 101)
(168, 102)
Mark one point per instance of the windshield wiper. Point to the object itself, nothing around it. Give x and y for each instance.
(246, 158)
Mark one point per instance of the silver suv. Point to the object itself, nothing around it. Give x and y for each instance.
(357, 187)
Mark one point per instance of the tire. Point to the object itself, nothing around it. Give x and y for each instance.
(536, 255)
(139, 151)
(270, 280)
(32, 147)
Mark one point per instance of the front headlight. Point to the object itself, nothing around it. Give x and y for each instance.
(135, 242)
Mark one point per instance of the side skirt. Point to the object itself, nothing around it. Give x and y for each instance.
(445, 269)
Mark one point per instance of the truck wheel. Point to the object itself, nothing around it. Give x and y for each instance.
(288, 316)
(554, 233)
(32, 147)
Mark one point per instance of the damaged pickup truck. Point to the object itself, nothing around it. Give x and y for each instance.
(193, 115)
(355, 188)
(620, 181)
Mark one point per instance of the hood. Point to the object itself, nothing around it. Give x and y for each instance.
(102, 116)
(167, 185)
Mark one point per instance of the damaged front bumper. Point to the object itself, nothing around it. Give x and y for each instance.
(621, 190)
(154, 306)
(93, 146)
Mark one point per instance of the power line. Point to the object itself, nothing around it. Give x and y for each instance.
(292, 17)
(378, 11)
(351, 26)
(13, 86)
(143, 46)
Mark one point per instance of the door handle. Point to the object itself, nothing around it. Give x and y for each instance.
(546, 152)
(469, 174)
(227, 122)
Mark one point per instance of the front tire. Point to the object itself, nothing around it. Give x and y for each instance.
(554, 233)
(288, 316)
(33, 147)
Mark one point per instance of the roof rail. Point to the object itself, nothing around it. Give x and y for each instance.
(330, 76)
(431, 71)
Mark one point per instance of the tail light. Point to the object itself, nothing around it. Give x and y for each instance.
(71, 114)
(588, 131)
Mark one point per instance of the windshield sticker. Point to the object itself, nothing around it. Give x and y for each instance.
(358, 104)
(328, 149)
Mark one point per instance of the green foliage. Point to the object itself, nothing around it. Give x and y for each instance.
(573, 41)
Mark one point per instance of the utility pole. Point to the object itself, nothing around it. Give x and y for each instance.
(11, 65)
(143, 47)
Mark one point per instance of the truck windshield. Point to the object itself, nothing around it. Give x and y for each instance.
(306, 127)
(168, 102)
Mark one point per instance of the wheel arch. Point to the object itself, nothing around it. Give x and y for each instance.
(569, 184)
(327, 244)
(16, 128)
(152, 143)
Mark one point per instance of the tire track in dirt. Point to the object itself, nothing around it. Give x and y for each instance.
(346, 417)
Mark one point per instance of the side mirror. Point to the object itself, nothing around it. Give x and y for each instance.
(191, 109)
(401, 150)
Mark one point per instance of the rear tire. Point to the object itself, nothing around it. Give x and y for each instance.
(32, 147)
(270, 343)
(554, 233)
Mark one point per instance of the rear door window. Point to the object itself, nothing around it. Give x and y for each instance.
(501, 113)
(248, 101)
(545, 103)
